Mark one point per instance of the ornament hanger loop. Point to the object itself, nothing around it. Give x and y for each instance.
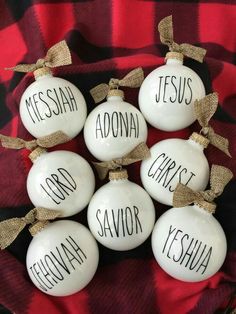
(41, 63)
(114, 83)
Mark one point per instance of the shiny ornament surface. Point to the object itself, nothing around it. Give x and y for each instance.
(61, 180)
(167, 95)
(121, 215)
(113, 129)
(52, 104)
(62, 258)
(189, 243)
(173, 161)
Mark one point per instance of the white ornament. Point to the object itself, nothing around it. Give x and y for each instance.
(167, 95)
(189, 243)
(175, 161)
(52, 104)
(61, 180)
(62, 258)
(113, 129)
(121, 214)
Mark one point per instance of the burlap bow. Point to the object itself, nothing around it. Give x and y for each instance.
(219, 178)
(204, 110)
(47, 141)
(140, 152)
(57, 55)
(38, 217)
(132, 79)
(165, 28)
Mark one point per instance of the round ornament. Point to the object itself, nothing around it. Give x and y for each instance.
(114, 128)
(60, 180)
(121, 214)
(51, 104)
(62, 258)
(175, 161)
(167, 95)
(189, 243)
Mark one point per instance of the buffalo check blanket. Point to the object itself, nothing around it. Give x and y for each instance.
(108, 39)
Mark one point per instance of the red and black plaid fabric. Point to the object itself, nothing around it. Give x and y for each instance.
(108, 39)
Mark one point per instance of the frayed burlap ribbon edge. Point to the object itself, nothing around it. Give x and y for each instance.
(219, 178)
(140, 152)
(47, 141)
(57, 55)
(133, 79)
(204, 110)
(165, 28)
(38, 218)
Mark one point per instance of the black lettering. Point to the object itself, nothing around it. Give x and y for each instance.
(159, 89)
(53, 110)
(98, 126)
(59, 275)
(75, 247)
(180, 97)
(165, 84)
(69, 255)
(190, 90)
(49, 114)
(130, 223)
(28, 104)
(174, 239)
(99, 212)
(137, 221)
(64, 100)
(170, 232)
(37, 109)
(49, 194)
(72, 98)
(206, 260)
(32, 268)
(114, 124)
(173, 84)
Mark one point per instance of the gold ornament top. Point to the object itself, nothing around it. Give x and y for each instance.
(118, 174)
(116, 92)
(198, 138)
(174, 55)
(165, 28)
(41, 72)
(132, 79)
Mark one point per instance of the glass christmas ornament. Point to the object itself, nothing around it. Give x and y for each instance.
(121, 214)
(167, 95)
(175, 161)
(189, 243)
(51, 104)
(62, 258)
(60, 180)
(115, 127)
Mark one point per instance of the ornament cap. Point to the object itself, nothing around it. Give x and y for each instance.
(38, 151)
(121, 174)
(115, 92)
(41, 72)
(209, 207)
(174, 55)
(198, 138)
